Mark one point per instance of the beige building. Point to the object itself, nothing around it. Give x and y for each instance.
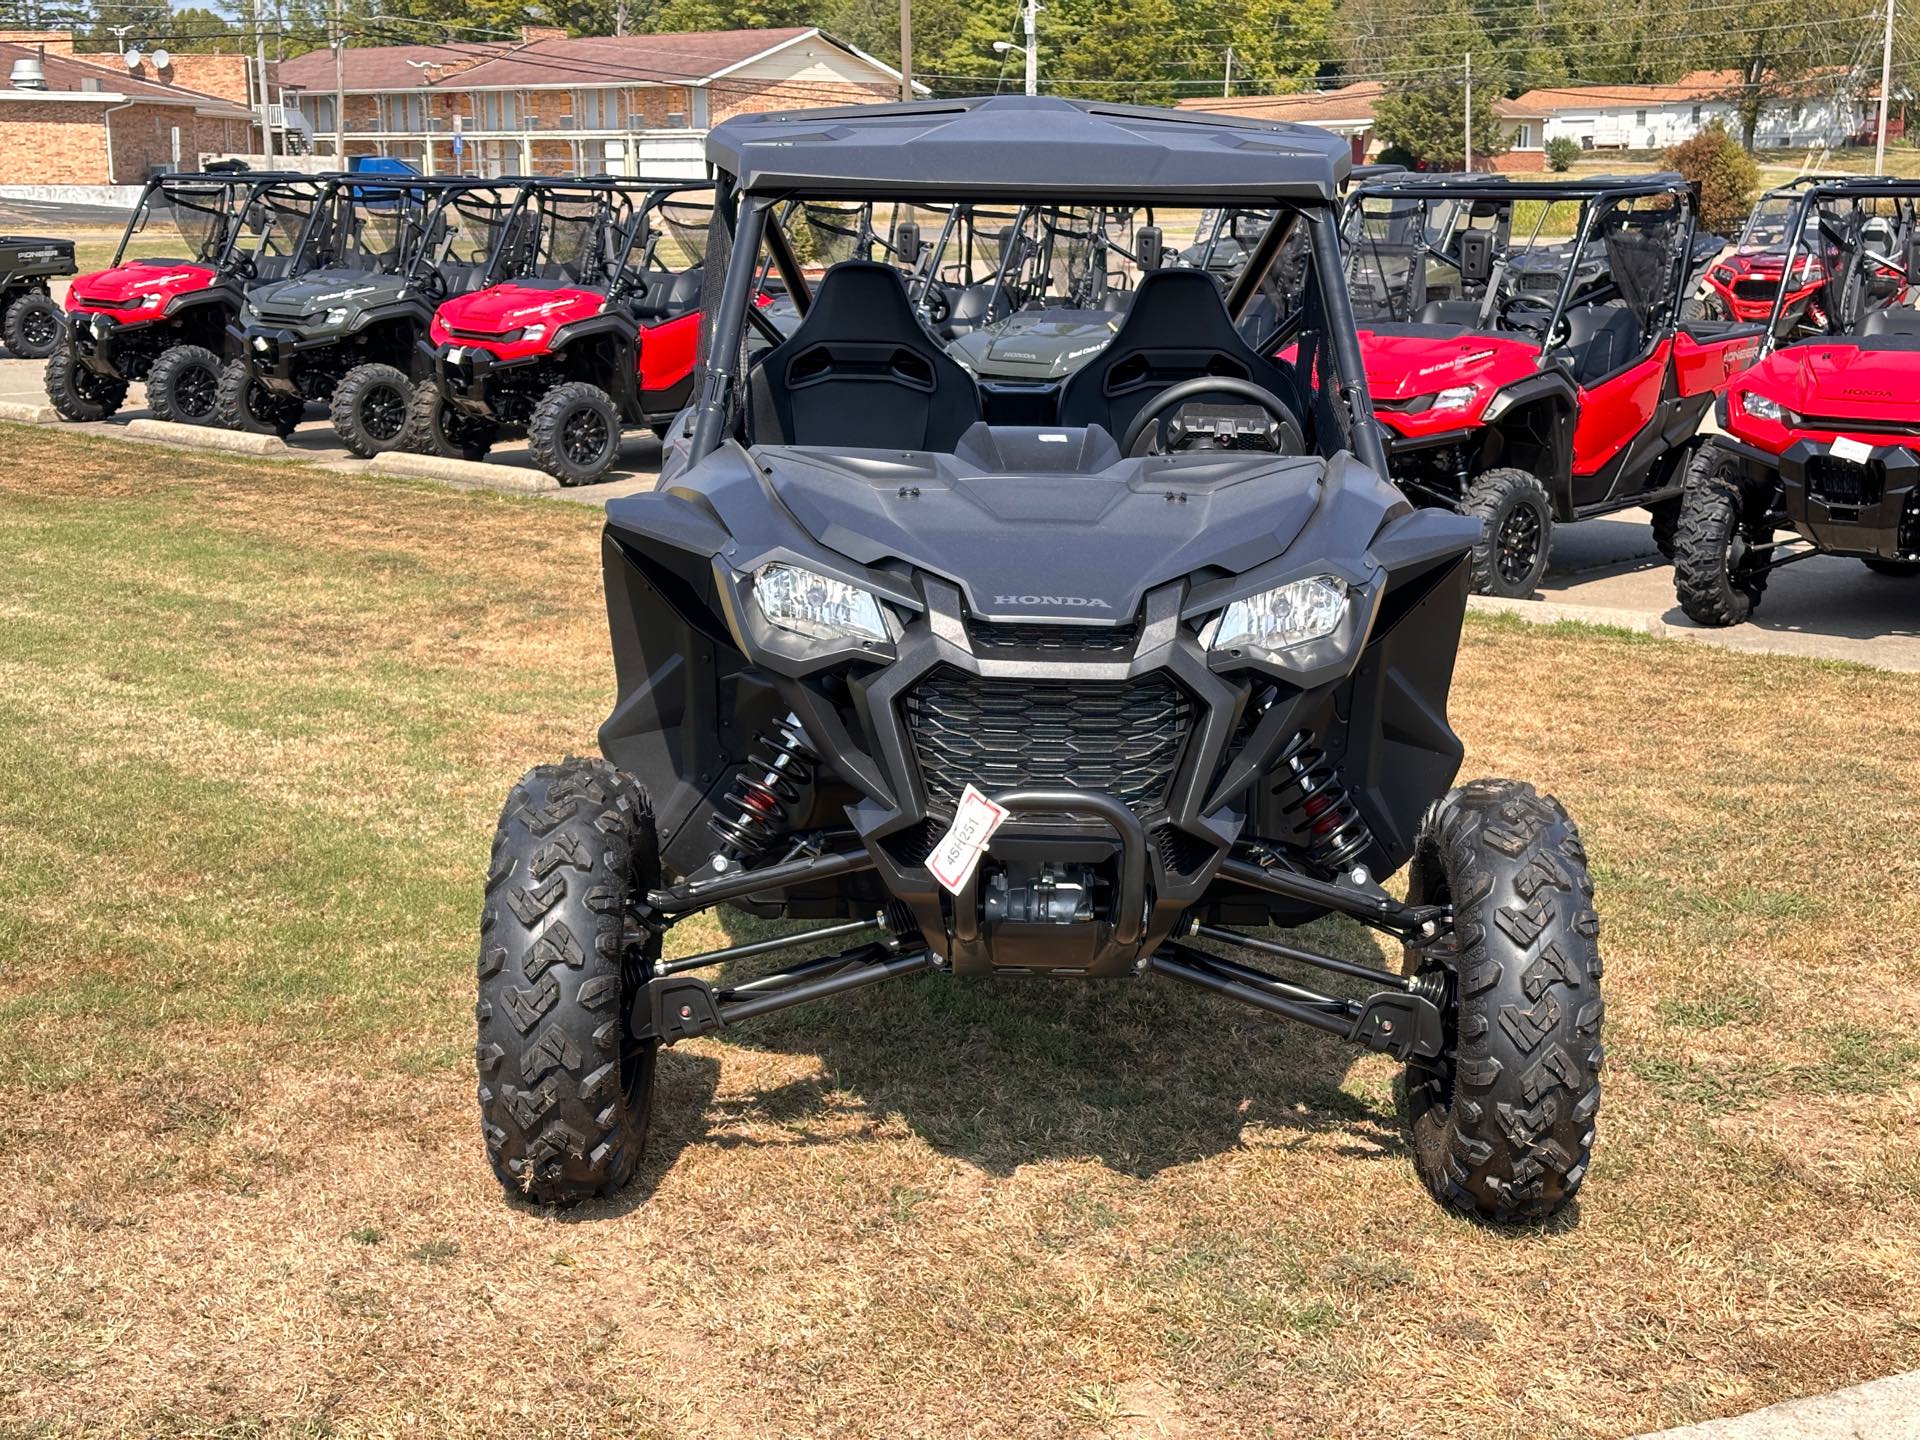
(551, 103)
(87, 119)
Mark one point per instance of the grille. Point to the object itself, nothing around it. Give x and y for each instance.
(1843, 482)
(1054, 639)
(1124, 739)
(1909, 537)
(1756, 289)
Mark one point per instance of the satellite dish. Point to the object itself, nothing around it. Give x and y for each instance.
(161, 59)
(132, 57)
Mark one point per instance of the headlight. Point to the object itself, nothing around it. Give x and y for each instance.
(1458, 397)
(337, 316)
(1761, 408)
(1283, 617)
(533, 333)
(149, 302)
(815, 605)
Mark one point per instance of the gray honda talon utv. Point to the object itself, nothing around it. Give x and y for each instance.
(1104, 696)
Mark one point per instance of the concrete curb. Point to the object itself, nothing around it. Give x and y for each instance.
(28, 414)
(208, 437)
(1886, 1409)
(465, 474)
(1551, 612)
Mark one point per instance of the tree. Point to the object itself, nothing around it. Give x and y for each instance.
(1725, 172)
(1424, 108)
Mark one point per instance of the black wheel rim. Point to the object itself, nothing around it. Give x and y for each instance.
(39, 328)
(383, 412)
(583, 438)
(196, 391)
(1517, 546)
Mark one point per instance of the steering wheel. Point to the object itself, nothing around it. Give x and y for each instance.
(1534, 323)
(433, 283)
(243, 266)
(1292, 439)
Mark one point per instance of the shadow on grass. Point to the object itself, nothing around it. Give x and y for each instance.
(1139, 1074)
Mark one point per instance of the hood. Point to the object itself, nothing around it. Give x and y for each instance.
(515, 305)
(1840, 381)
(1405, 363)
(322, 290)
(1026, 545)
(113, 288)
(1037, 344)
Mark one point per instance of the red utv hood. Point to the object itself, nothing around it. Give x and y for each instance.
(514, 306)
(1842, 381)
(1400, 367)
(115, 289)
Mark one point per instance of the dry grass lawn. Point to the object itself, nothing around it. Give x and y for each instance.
(257, 723)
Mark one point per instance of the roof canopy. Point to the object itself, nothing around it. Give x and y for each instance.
(1013, 147)
(1500, 187)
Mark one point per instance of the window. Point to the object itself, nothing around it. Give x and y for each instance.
(1523, 137)
(405, 114)
(1639, 117)
(496, 110)
(319, 112)
(599, 109)
(1696, 115)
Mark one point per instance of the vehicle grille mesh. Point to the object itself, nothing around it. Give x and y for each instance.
(1124, 739)
(1843, 482)
(1756, 289)
(1053, 639)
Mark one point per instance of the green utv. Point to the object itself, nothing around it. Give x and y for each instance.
(344, 328)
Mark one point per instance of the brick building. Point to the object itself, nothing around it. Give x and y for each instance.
(558, 104)
(87, 119)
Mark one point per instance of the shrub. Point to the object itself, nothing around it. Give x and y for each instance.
(1725, 173)
(1561, 153)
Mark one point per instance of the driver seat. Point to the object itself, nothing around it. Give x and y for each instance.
(1177, 329)
(861, 372)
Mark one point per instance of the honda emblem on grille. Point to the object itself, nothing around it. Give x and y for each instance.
(1074, 602)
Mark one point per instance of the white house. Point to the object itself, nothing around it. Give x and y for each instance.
(1828, 108)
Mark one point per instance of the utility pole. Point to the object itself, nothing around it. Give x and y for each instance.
(906, 49)
(1886, 82)
(1226, 85)
(339, 84)
(1467, 129)
(266, 103)
(620, 18)
(1032, 15)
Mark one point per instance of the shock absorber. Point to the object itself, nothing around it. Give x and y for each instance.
(777, 769)
(1316, 801)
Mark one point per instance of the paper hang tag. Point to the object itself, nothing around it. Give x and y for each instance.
(1857, 451)
(960, 849)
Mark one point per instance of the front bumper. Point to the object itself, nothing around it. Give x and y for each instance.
(276, 354)
(468, 375)
(111, 347)
(1867, 507)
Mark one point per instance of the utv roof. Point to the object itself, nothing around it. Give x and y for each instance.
(1009, 147)
(1501, 187)
(1844, 185)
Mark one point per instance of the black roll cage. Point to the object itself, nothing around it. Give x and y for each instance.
(634, 227)
(1862, 187)
(746, 216)
(1611, 189)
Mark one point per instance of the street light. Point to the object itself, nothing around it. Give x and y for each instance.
(1029, 13)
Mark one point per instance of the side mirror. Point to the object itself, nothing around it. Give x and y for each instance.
(1150, 246)
(906, 242)
(1476, 256)
(1248, 229)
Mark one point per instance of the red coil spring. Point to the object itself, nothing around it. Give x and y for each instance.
(776, 772)
(1336, 833)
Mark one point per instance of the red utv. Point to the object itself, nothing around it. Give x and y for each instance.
(1822, 437)
(592, 322)
(164, 319)
(1525, 402)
